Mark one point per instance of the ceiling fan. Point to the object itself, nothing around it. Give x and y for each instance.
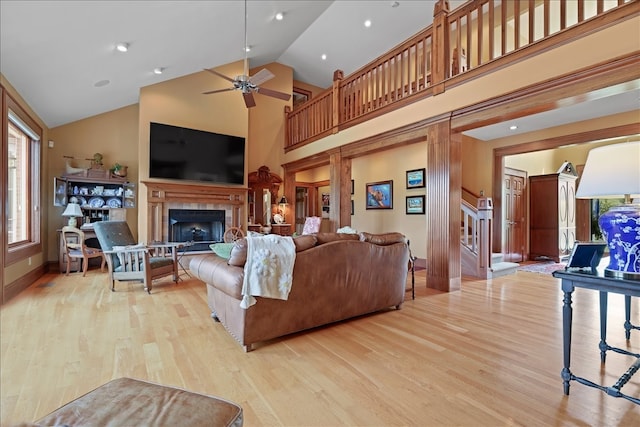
(249, 84)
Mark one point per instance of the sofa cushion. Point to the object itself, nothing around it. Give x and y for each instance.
(382, 239)
(304, 242)
(332, 237)
(238, 256)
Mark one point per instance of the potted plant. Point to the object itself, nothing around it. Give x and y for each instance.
(119, 170)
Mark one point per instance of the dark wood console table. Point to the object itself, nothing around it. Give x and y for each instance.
(598, 282)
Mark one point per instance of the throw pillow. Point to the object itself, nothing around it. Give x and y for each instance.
(223, 250)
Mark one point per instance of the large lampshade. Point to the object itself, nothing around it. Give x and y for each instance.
(72, 211)
(613, 171)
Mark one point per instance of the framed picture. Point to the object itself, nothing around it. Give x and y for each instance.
(415, 178)
(415, 205)
(380, 195)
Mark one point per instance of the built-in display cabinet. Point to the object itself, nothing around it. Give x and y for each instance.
(100, 199)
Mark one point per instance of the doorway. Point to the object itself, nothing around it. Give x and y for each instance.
(514, 187)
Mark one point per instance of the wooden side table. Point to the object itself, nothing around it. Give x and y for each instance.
(281, 229)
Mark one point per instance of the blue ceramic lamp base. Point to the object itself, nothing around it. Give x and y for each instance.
(621, 227)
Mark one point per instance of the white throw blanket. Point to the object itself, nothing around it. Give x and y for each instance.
(268, 271)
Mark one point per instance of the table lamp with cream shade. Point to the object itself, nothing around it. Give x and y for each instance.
(72, 211)
(613, 171)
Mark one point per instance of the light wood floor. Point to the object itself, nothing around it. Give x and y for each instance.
(488, 355)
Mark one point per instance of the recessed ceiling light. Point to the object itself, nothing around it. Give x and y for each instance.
(122, 47)
(247, 48)
(513, 127)
(279, 16)
(324, 57)
(367, 23)
(158, 70)
(101, 83)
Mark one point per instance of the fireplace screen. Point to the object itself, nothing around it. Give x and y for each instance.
(197, 227)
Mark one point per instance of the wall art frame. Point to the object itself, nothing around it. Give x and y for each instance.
(415, 178)
(415, 205)
(379, 195)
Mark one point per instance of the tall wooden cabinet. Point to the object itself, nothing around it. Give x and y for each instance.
(552, 214)
(263, 193)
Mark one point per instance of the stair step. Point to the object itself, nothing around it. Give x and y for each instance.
(496, 257)
(504, 269)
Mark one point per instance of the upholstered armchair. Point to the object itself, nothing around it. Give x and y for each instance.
(129, 261)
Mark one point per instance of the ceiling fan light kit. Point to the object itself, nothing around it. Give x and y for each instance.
(249, 84)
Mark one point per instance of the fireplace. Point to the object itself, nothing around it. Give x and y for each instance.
(197, 227)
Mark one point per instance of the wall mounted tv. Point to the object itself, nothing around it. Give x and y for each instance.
(195, 155)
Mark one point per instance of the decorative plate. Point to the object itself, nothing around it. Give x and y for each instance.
(82, 201)
(96, 202)
(114, 203)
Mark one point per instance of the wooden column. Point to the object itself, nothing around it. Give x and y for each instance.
(336, 181)
(345, 192)
(289, 182)
(444, 182)
(440, 51)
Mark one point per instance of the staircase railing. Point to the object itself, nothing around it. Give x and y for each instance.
(476, 38)
(475, 237)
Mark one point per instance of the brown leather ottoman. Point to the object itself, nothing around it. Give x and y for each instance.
(129, 402)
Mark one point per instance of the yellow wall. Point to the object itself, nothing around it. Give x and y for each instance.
(266, 122)
(180, 102)
(390, 165)
(113, 134)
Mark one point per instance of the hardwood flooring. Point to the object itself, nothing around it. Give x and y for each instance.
(488, 355)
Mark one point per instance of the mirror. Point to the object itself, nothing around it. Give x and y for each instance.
(266, 206)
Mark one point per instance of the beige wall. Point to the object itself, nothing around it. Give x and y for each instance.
(266, 122)
(180, 102)
(13, 272)
(113, 134)
(391, 165)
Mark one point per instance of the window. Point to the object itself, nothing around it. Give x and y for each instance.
(21, 146)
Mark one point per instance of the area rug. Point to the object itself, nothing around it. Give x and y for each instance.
(542, 267)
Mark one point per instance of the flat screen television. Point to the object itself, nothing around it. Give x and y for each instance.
(195, 155)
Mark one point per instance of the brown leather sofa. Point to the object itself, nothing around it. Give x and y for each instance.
(335, 277)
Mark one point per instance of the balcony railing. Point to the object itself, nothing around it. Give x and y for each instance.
(477, 34)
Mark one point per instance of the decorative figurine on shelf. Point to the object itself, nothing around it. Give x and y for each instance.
(96, 162)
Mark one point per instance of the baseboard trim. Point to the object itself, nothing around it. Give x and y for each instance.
(14, 288)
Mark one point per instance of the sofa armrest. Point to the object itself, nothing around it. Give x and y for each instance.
(214, 271)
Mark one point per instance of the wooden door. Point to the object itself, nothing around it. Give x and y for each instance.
(515, 218)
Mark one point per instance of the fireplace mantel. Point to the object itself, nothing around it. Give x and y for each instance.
(162, 196)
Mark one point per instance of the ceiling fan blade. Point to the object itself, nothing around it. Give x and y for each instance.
(274, 93)
(248, 100)
(261, 77)
(219, 75)
(218, 91)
